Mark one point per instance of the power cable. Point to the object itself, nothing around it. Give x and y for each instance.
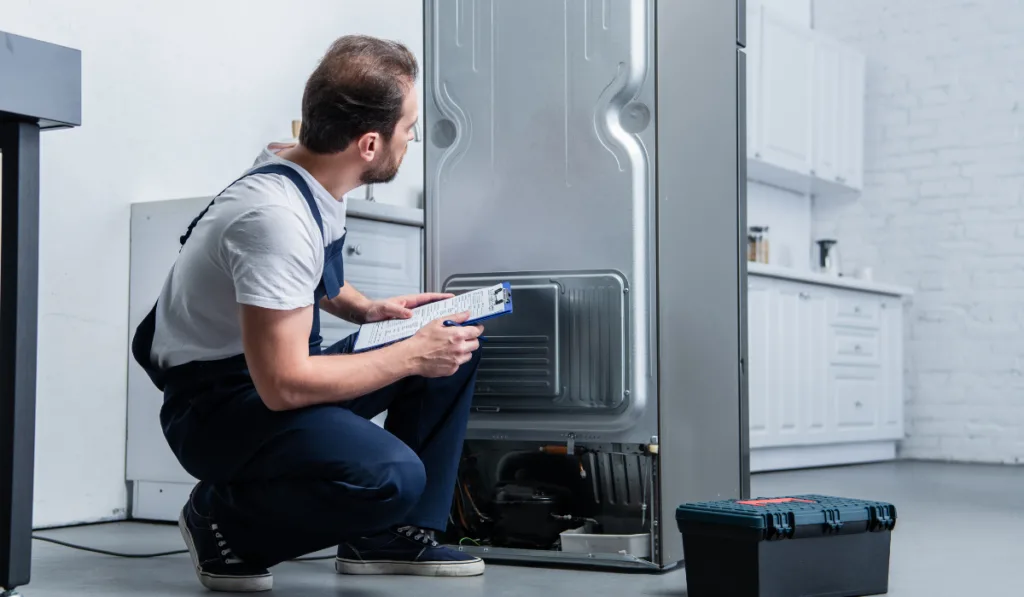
(140, 556)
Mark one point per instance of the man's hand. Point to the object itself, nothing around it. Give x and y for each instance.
(400, 307)
(439, 351)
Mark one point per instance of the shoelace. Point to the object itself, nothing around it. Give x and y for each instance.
(225, 551)
(417, 534)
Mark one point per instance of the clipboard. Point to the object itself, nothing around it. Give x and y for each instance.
(482, 303)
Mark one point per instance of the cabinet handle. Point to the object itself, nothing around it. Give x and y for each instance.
(804, 296)
(856, 309)
(814, 172)
(356, 250)
(856, 347)
(858, 404)
(757, 154)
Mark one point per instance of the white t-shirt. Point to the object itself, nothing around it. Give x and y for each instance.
(257, 245)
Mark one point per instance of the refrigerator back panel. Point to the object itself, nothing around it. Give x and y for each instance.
(540, 130)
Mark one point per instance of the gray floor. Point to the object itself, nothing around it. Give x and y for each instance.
(960, 532)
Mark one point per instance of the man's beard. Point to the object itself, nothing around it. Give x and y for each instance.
(384, 171)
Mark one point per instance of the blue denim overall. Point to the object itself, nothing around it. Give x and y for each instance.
(285, 484)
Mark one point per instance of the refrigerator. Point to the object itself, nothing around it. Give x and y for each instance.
(591, 153)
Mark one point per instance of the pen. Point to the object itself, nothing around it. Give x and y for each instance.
(449, 323)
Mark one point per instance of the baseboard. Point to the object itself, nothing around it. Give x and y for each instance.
(794, 457)
(159, 501)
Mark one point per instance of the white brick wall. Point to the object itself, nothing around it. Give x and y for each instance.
(943, 209)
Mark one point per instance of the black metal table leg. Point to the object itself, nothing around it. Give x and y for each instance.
(19, 256)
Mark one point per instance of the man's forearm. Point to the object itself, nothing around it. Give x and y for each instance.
(339, 377)
(350, 305)
(287, 377)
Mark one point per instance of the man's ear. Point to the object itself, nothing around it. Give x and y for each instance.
(368, 146)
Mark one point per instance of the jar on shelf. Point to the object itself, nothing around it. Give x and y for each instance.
(757, 244)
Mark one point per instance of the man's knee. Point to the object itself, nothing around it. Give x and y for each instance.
(403, 479)
(389, 487)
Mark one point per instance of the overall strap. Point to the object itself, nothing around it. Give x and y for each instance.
(142, 341)
(281, 169)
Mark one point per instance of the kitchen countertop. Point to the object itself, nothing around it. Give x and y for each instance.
(785, 273)
(384, 212)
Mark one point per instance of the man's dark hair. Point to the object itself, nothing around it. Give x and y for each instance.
(357, 88)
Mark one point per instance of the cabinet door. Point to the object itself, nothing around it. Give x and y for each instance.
(827, 118)
(792, 364)
(753, 51)
(891, 407)
(800, 389)
(760, 350)
(851, 119)
(813, 345)
(786, 93)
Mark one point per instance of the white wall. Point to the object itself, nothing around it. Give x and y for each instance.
(788, 217)
(943, 209)
(178, 98)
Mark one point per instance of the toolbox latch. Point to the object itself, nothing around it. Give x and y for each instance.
(882, 518)
(782, 525)
(833, 520)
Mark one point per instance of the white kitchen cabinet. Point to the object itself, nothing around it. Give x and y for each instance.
(825, 383)
(805, 106)
(786, 93)
(851, 118)
(759, 337)
(827, 92)
(856, 394)
(838, 118)
(891, 420)
(787, 326)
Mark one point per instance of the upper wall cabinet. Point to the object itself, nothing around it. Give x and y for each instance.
(805, 112)
(787, 61)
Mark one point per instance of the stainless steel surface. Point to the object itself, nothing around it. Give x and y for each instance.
(741, 226)
(700, 260)
(550, 156)
(540, 132)
(561, 350)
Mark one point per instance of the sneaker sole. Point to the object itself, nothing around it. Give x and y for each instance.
(471, 568)
(227, 584)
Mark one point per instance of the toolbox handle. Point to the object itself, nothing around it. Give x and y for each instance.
(881, 518)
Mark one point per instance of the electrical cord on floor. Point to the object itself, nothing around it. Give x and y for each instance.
(146, 555)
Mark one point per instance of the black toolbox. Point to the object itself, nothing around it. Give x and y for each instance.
(795, 546)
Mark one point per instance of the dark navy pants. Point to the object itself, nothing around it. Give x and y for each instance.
(285, 484)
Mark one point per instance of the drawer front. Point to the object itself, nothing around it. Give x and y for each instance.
(381, 254)
(856, 309)
(855, 346)
(856, 393)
